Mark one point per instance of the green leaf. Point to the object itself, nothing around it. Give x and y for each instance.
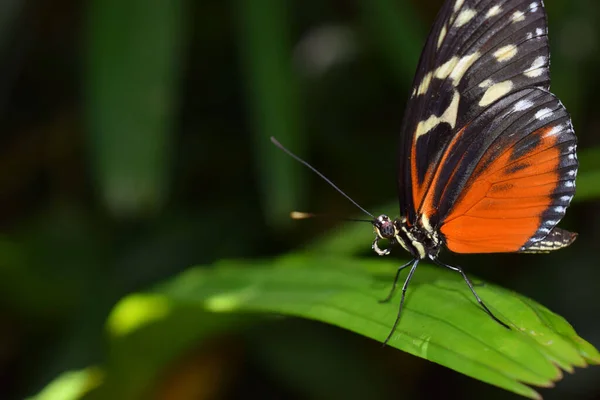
(71, 385)
(273, 99)
(146, 341)
(588, 181)
(442, 322)
(588, 186)
(397, 33)
(133, 72)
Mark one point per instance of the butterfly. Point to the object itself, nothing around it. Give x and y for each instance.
(487, 155)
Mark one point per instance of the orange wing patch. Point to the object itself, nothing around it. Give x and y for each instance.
(418, 188)
(423, 194)
(502, 205)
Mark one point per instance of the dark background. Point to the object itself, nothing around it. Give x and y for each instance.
(134, 144)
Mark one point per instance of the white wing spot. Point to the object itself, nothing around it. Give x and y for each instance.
(522, 105)
(444, 70)
(539, 31)
(550, 222)
(424, 85)
(529, 35)
(571, 156)
(555, 130)
(560, 209)
(493, 11)
(442, 36)
(536, 68)
(534, 7)
(495, 92)
(572, 172)
(458, 5)
(454, 68)
(449, 116)
(569, 184)
(505, 53)
(566, 198)
(462, 66)
(543, 113)
(518, 16)
(486, 84)
(465, 16)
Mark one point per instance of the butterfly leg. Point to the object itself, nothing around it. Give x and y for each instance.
(375, 247)
(391, 294)
(406, 282)
(458, 269)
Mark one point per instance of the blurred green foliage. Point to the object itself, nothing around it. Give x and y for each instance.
(135, 145)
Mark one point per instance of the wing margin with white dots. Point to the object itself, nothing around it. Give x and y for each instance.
(507, 178)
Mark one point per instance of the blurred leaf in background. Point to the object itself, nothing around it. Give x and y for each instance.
(272, 100)
(134, 66)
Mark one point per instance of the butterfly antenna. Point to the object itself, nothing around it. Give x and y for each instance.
(304, 215)
(276, 143)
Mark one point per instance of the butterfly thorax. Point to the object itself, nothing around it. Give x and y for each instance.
(419, 241)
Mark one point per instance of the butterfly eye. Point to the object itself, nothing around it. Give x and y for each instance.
(385, 227)
(387, 230)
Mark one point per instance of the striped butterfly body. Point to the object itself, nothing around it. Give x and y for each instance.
(487, 160)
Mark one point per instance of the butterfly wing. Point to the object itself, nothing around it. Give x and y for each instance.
(507, 178)
(477, 52)
(487, 153)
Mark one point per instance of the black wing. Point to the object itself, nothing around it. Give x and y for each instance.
(477, 52)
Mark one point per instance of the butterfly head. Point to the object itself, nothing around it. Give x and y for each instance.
(385, 229)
